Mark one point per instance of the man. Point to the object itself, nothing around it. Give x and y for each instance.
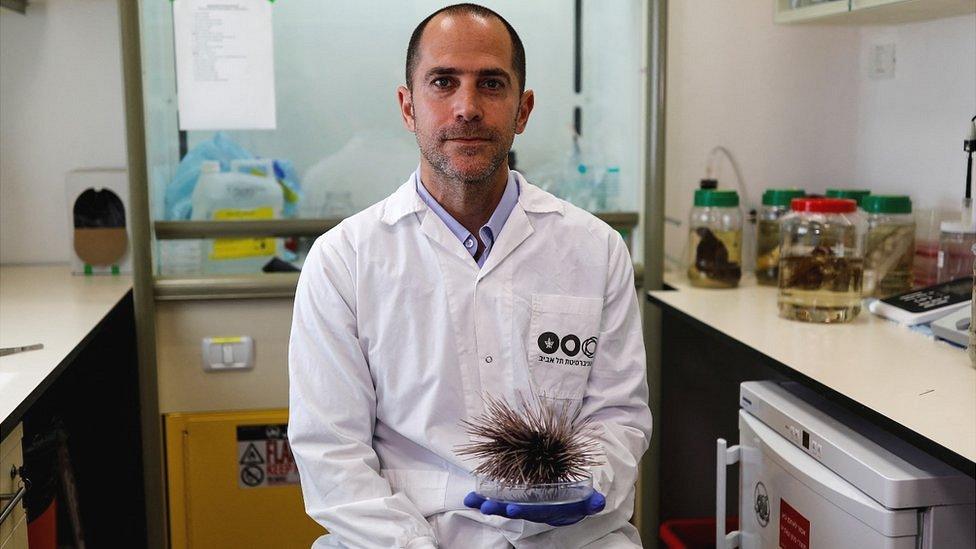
(467, 281)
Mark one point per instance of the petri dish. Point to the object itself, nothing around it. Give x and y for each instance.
(559, 493)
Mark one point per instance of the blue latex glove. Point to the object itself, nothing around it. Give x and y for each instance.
(553, 515)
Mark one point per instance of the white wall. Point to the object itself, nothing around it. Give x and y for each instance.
(796, 107)
(60, 109)
(912, 126)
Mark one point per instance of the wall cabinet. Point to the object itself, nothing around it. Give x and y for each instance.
(868, 12)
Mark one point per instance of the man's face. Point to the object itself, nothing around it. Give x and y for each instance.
(465, 106)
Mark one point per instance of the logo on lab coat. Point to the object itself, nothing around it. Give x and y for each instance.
(589, 347)
(548, 343)
(570, 345)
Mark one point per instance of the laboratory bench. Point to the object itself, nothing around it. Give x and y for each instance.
(80, 388)
(919, 389)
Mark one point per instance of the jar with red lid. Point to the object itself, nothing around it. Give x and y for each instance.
(821, 266)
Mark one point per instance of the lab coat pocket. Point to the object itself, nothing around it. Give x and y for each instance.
(563, 336)
(427, 489)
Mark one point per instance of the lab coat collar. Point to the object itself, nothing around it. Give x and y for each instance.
(535, 200)
(406, 201)
(403, 202)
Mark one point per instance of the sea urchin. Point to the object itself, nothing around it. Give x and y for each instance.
(535, 443)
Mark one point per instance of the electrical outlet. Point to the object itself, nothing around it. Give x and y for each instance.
(881, 61)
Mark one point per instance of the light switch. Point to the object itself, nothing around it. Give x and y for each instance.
(227, 353)
(881, 61)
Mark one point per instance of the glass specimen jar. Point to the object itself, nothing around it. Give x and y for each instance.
(856, 195)
(715, 240)
(775, 204)
(890, 246)
(955, 242)
(821, 266)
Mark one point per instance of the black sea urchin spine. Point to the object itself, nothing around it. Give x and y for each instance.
(535, 443)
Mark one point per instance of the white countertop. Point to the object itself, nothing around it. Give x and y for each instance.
(47, 304)
(925, 385)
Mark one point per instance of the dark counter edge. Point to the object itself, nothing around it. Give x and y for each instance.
(9, 422)
(941, 452)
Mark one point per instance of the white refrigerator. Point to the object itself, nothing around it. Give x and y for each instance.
(814, 476)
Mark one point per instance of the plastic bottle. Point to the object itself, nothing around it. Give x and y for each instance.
(581, 193)
(715, 240)
(236, 195)
(890, 246)
(608, 194)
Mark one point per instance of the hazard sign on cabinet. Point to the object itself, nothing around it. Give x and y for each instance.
(264, 457)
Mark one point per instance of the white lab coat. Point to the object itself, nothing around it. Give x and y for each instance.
(397, 335)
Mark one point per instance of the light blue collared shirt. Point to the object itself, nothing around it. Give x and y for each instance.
(489, 232)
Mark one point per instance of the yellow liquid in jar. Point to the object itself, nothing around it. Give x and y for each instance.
(716, 258)
(822, 289)
(767, 252)
(888, 260)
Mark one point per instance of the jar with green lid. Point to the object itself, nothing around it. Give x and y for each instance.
(775, 204)
(856, 195)
(715, 240)
(821, 267)
(859, 217)
(890, 245)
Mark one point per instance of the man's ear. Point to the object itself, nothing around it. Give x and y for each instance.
(405, 97)
(526, 102)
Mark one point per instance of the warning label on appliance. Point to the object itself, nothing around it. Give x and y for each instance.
(794, 529)
(264, 457)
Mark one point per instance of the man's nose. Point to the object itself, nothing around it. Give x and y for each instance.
(467, 104)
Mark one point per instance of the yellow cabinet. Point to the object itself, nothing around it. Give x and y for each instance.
(232, 482)
(13, 529)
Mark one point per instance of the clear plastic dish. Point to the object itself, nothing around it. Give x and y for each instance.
(536, 494)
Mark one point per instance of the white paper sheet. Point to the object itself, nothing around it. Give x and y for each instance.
(224, 64)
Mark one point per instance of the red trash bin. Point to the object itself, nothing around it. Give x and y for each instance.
(694, 533)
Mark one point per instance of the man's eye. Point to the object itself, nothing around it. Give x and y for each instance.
(441, 82)
(493, 84)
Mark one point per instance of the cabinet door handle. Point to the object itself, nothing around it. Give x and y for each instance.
(16, 496)
(14, 500)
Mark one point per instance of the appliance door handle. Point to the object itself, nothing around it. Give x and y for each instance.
(724, 456)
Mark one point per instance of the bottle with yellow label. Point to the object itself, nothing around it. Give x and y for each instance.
(236, 196)
(715, 240)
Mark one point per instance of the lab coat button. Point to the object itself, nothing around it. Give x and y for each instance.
(488, 359)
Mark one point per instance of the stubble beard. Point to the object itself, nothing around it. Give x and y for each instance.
(441, 162)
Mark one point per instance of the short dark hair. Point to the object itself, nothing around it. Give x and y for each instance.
(518, 50)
